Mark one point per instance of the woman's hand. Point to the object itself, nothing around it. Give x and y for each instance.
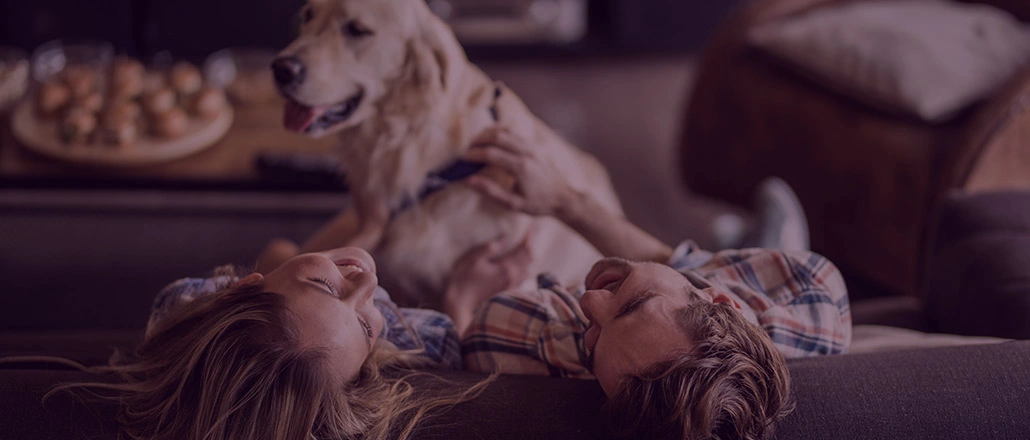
(482, 273)
(373, 215)
(540, 186)
(362, 224)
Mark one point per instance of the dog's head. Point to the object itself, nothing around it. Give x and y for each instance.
(351, 54)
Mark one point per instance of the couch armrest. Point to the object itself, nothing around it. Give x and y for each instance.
(978, 265)
(850, 165)
(990, 154)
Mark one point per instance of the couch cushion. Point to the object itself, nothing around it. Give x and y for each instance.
(978, 279)
(513, 407)
(923, 58)
(87, 347)
(874, 338)
(976, 391)
(895, 311)
(915, 394)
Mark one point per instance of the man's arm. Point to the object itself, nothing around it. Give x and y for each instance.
(541, 189)
(611, 234)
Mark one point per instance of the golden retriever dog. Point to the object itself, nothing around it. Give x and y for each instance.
(391, 80)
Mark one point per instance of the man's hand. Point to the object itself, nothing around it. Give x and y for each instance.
(540, 186)
(541, 189)
(482, 273)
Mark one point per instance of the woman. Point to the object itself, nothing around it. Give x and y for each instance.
(298, 353)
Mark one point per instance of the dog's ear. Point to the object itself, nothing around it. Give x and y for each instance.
(432, 66)
(446, 52)
(421, 69)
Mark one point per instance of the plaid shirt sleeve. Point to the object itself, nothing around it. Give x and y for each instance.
(529, 332)
(180, 292)
(798, 297)
(429, 332)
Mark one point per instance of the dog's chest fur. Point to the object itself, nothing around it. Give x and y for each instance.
(389, 156)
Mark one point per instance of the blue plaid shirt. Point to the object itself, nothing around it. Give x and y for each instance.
(429, 332)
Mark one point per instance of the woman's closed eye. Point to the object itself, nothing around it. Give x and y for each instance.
(331, 289)
(367, 327)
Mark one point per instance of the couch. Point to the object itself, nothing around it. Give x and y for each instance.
(888, 391)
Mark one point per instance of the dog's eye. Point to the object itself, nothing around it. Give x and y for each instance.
(353, 29)
(306, 15)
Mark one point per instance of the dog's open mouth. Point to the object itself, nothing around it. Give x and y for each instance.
(300, 118)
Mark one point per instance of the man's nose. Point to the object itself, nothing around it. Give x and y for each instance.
(597, 306)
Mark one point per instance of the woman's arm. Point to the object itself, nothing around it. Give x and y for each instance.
(541, 189)
(361, 225)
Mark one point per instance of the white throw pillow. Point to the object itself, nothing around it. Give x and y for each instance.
(927, 58)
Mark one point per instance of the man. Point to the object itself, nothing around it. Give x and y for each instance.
(685, 343)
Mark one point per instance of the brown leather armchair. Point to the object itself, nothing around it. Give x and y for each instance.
(868, 180)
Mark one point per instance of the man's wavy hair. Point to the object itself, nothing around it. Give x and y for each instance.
(733, 384)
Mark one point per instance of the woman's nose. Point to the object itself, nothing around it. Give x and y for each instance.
(367, 291)
(363, 286)
(597, 306)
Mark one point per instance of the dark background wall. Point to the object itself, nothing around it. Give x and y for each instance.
(195, 28)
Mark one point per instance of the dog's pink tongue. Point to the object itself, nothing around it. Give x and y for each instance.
(298, 117)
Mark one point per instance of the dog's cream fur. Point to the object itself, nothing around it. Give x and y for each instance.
(423, 105)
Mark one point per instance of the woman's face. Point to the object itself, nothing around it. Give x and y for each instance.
(331, 295)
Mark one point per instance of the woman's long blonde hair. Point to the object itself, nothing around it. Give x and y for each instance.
(230, 365)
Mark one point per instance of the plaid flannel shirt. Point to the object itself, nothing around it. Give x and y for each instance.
(430, 332)
(798, 298)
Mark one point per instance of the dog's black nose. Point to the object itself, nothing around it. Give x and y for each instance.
(288, 71)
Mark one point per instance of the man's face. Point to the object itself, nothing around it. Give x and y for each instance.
(632, 309)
